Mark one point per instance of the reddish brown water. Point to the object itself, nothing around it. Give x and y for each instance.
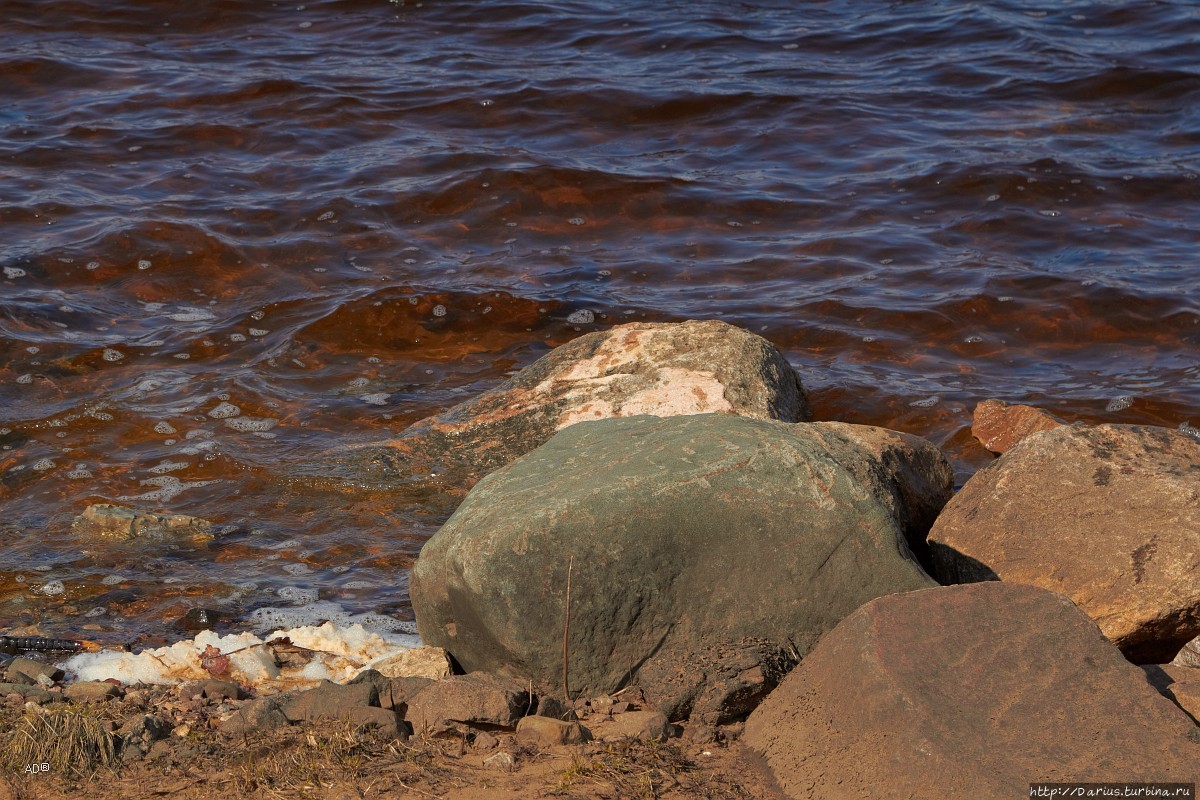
(264, 204)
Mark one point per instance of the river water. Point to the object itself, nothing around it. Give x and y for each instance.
(235, 235)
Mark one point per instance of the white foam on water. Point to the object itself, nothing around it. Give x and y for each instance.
(341, 653)
(298, 594)
(225, 411)
(251, 424)
(321, 611)
(189, 314)
(168, 466)
(169, 488)
(1119, 403)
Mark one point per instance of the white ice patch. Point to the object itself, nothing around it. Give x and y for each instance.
(340, 654)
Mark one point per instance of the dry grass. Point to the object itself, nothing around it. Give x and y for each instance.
(330, 760)
(633, 768)
(73, 740)
(308, 762)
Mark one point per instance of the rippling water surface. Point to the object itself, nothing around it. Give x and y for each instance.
(341, 216)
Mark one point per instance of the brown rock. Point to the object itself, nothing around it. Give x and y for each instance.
(91, 691)
(908, 474)
(476, 699)
(999, 426)
(1180, 685)
(1189, 654)
(330, 701)
(214, 690)
(548, 732)
(388, 722)
(30, 693)
(644, 725)
(485, 741)
(554, 708)
(398, 690)
(393, 692)
(140, 732)
(33, 670)
(1107, 515)
(715, 684)
(221, 690)
(967, 691)
(663, 369)
(107, 521)
(419, 662)
(261, 714)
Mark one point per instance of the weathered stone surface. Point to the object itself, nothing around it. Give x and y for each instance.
(1180, 685)
(664, 369)
(554, 708)
(999, 426)
(32, 669)
(419, 662)
(967, 691)
(140, 732)
(213, 690)
(330, 701)
(1188, 655)
(34, 694)
(715, 684)
(392, 693)
(1107, 515)
(107, 521)
(91, 691)
(644, 725)
(477, 699)
(682, 534)
(908, 474)
(385, 720)
(548, 732)
(263, 713)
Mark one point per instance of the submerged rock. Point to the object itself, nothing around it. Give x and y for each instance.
(107, 521)
(685, 538)
(1107, 515)
(664, 369)
(967, 691)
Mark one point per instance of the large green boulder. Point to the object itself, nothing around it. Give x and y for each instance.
(705, 554)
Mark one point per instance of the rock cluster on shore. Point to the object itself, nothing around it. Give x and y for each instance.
(707, 554)
(652, 526)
